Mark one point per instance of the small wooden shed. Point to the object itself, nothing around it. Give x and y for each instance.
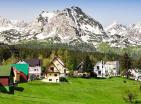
(6, 79)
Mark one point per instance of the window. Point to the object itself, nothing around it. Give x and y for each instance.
(50, 79)
(97, 67)
(64, 70)
(55, 75)
(34, 69)
(52, 68)
(99, 72)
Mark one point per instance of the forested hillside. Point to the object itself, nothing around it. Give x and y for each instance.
(70, 54)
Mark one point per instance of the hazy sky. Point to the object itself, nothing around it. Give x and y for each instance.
(105, 11)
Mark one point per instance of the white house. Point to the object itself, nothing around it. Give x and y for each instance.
(34, 68)
(99, 69)
(55, 71)
(52, 74)
(135, 74)
(110, 68)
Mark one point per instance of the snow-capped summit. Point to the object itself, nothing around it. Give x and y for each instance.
(69, 25)
(116, 28)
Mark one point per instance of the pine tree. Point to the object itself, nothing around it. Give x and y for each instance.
(88, 67)
(126, 63)
(139, 63)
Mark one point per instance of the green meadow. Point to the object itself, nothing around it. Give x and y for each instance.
(76, 91)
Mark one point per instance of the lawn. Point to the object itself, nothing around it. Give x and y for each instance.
(76, 91)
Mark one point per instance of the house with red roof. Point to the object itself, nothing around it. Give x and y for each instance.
(6, 79)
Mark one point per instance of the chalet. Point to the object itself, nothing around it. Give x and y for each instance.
(34, 68)
(79, 72)
(55, 71)
(52, 74)
(110, 68)
(135, 74)
(20, 72)
(6, 79)
(99, 69)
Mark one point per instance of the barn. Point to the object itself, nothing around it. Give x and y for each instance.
(6, 79)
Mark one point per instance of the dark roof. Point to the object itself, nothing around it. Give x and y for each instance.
(33, 62)
(5, 70)
(80, 67)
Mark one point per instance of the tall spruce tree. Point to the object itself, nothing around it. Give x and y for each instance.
(88, 66)
(126, 64)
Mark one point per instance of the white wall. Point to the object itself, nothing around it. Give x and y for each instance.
(101, 69)
(109, 68)
(35, 71)
(60, 67)
(54, 79)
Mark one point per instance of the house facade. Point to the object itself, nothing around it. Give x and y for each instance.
(112, 67)
(52, 74)
(109, 68)
(135, 74)
(55, 71)
(99, 69)
(6, 79)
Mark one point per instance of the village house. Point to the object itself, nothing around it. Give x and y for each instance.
(52, 74)
(34, 68)
(20, 72)
(135, 74)
(6, 79)
(55, 71)
(110, 68)
(99, 69)
(79, 72)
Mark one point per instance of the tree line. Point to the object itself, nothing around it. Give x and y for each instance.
(71, 56)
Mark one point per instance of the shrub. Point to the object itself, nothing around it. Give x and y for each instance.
(62, 79)
(130, 97)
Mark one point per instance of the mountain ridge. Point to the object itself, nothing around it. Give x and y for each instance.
(70, 25)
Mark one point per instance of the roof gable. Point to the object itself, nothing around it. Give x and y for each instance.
(21, 62)
(21, 67)
(59, 60)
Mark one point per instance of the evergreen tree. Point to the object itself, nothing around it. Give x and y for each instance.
(139, 63)
(126, 64)
(88, 67)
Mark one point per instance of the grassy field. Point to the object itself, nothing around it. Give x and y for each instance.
(76, 91)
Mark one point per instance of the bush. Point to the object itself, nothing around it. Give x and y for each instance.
(124, 81)
(63, 79)
(130, 97)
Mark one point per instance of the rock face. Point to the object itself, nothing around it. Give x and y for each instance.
(71, 26)
(122, 36)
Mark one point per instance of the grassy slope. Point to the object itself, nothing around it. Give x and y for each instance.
(77, 91)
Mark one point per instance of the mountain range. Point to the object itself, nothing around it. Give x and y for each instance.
(71, 26)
